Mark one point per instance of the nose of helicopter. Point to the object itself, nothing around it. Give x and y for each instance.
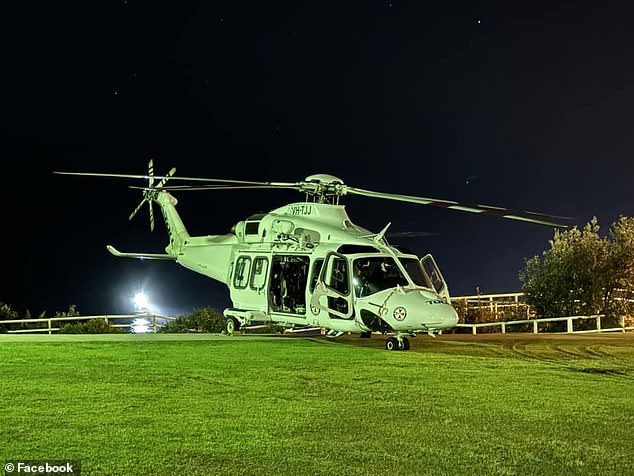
(447, 316)
(420, 310)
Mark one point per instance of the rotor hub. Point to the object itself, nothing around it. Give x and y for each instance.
(324, 188)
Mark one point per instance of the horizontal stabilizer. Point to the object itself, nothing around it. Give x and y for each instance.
(118, 253)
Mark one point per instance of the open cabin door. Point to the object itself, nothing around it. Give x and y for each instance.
(430, 268)
(289, 279)
(333, 290)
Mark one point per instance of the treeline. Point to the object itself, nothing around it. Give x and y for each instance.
(80, 326)
(583, 273)
(206, 319)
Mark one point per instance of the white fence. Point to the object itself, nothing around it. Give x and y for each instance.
(499, 304)
(154, 322)
(569, 324)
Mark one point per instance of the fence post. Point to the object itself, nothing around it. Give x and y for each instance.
(474, 330)
(569, 321)
(503, 328)
(599, 323)
(154, 323)
(49, 326)
(535, 327)
(622, 321)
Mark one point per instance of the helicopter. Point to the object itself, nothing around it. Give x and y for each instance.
(307, 265)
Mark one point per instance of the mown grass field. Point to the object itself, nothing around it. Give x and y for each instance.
(196, 404)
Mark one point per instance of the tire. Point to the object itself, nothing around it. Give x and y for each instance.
(405, 343)
(231, 325)
(391, 343)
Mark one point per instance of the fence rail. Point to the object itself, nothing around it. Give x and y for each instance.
(498, 306)
(569, 324)
(155, 323)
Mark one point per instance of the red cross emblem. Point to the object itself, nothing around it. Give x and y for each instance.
(400, 313)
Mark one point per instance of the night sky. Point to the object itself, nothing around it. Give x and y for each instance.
(526, 105)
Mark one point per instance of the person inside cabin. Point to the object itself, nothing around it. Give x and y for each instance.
(361, 277)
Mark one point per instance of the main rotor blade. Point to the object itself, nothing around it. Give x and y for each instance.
(192, 179)
(481, 209)
(136, 209)
(186, 188)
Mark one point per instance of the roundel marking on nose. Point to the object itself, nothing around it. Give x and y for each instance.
(400, 313)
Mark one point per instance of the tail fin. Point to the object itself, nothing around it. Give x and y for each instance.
(175, 228)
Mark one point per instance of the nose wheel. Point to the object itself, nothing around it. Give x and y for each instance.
(397, 343)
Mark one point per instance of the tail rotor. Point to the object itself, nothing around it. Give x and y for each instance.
(150, 194)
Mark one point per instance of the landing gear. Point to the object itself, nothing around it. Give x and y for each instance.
(366, 335)
(405, 344)
(231, 325)
(397, 343)
(391, 343)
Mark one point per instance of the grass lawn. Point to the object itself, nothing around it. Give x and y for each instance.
(200, 404)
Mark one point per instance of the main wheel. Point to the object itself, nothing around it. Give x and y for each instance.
(405, 343)
(391, 343)
(231, 325)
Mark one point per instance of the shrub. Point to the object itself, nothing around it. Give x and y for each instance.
(92, 326)
(206, 319)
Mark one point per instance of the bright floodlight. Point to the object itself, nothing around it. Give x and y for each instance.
(140, 326)
(141, 302)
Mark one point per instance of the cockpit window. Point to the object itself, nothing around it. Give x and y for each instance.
(412, 266)
(376, 273)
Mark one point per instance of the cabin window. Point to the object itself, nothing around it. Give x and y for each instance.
(241, 276)
(316, 270)
(258, 276)
(413, 268)
(251, 227)
(374, 274)
(337, 278)
(432, 271)
(353, 249)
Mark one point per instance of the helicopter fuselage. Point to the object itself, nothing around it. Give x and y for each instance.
(307, 264)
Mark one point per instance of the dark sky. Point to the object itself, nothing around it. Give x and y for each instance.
(533, 102)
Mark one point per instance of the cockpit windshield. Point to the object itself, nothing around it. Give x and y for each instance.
(413, 268)
(376, 273)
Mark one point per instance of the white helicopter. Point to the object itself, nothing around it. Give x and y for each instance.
(307, 265)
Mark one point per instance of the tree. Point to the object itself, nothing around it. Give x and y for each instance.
(6, 314)
(582, 273)
(619, 290)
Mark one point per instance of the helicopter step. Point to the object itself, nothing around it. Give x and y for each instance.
(334, 333)
(235, 319)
